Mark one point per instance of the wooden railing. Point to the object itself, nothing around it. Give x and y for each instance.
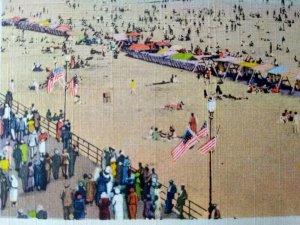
(191, 209)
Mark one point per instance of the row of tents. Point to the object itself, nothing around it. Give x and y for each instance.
(44, 26)
(285, 79)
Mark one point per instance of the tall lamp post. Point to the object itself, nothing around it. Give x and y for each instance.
(68, 59)
(211, 107)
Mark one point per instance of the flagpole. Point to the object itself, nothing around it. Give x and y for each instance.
(68, 58)
(211, 106)
(210, 172)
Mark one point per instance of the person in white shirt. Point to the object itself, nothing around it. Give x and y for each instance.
(296, 122)
(12, 86)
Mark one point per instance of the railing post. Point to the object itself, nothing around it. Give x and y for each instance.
(189, 209)
(48, 126)
(18, 108)
(88, 150)
(97, 156)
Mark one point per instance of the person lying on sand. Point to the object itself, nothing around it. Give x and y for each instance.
(229, 96)
(177, 106)
(170, 135)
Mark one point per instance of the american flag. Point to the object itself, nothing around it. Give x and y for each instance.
(181, 148)
(208, 146)
(54, 76)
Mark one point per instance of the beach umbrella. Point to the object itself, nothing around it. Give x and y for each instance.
(277, 70)
(139, 47)
(133, 34)
(248, 64)
(182, 56)
(63, 28)
(162, 51)
(176, 47)
(16, 19)
(162, 44)
(45, 23)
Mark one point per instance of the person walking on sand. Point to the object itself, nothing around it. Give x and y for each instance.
(193, 123)
(132, 87)
(182, 196)
(132, 201)
(12, 86)
(296, 123)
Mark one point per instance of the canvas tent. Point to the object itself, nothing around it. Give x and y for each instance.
(259, 72)
(279, 77)
(227, 66)
(296, 88)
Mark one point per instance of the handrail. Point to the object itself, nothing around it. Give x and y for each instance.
(191, 209)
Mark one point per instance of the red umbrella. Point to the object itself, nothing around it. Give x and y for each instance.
(139, 47)
(63, 28)
(133, 34)
(16, 19)
(162, 43)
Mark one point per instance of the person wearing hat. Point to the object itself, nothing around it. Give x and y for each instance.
(41, 213)
(126, 166)
(22, 128)
(13, 191)
(104, 213)
(32, 143)
(13, 126)
(30, 125)
(6, 118)
(154, 181)
(66, 197)
(37, 120)
(193, 123)
(48, 167)
(216, 212)
(21, 214)
(30, 181)
(56, 162)
(113, 166)
(4, 185)
(65, 160)
(110, 183)
(132, 202)
(101, 184)
(73, 154)
(17, 155)
(23, 174)
(4, 164)
(66, 135)
(7, 152)
(42, 142)
(148, 208)
(90, 189)
(40, 179)
(81, 188)
(79, 207)
(49, 115)
(118, 205)
(24, 149)
(119, 175)
(182, 196)
(170, 196)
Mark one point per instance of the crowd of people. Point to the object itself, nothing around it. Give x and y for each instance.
(118, 190)
(25, 158)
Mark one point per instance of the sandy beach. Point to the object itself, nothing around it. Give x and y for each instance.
(256, 162)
